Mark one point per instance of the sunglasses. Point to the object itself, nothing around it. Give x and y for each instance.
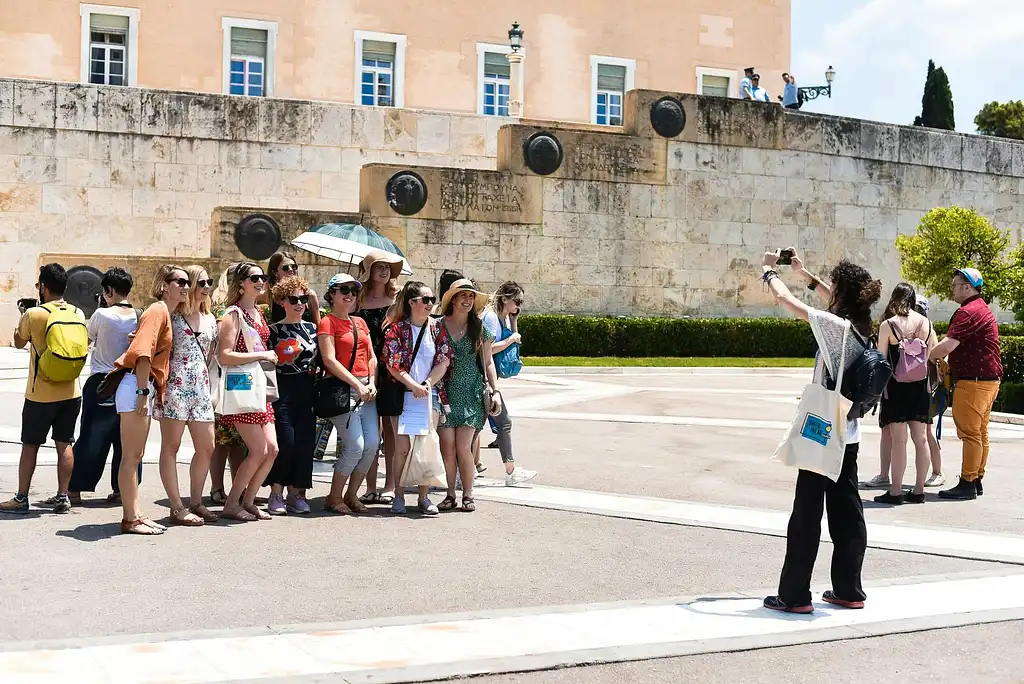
(301, 299)
(429, 301)
(258, 278)
(290, 268)
(182, 282)
(204, 283)
(517, 302)
(346, 290)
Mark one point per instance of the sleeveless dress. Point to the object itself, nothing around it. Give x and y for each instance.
(390, 394)
(903, 402)
(187, 396)
(267, 416)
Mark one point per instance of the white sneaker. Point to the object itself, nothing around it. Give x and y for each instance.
(876, 481)
(935, 480)
(518, 476)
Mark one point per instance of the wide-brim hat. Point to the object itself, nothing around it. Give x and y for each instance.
(465, 285)
(377, 256)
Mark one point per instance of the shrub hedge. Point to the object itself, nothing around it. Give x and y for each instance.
(1005, 329)
(561, 335)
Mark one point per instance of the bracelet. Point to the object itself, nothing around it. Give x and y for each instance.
(769, 274)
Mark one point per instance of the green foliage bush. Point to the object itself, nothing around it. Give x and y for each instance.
(561, 335)
(1011, 398)
(1005, 329)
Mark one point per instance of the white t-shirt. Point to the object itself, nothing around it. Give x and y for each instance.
(491, 322)
(109, 328)
(424, 361)
(828, 332)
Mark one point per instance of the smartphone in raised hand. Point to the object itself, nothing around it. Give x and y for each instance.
(785, 257)
(26, 303)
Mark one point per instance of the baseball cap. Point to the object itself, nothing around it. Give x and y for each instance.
(972, 276)
(921, 304)
(341, 279)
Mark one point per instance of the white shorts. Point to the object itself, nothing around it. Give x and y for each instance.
(126, 397)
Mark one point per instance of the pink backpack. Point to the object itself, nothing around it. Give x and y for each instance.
(913, 363)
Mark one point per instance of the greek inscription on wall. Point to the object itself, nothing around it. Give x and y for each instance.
(460, 194)
(613, 160)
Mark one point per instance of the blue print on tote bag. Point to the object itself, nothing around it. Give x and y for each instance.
(816, 429)
(238, 382)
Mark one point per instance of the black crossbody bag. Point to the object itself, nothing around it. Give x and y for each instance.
(333, 396)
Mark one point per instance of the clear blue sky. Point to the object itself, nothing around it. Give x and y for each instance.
(880, 51)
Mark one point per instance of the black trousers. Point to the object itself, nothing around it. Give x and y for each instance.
(845, 526)
(295, 424)
(100, 430)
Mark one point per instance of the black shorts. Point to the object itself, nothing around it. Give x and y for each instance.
(39, 419)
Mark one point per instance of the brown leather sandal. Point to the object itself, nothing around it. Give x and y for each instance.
(239, 514)
(139, 526)
(356, 506)
(338, 507)
(258, 512)
(203, 512)
(447, 504)
(186, 518)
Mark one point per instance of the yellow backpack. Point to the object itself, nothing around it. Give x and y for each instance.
(67, 344)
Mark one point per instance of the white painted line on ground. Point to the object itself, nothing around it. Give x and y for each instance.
(997, 431)
(944, 542)
(504, 642)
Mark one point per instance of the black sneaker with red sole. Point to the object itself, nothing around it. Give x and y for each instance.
(830, 597)
(775, 603)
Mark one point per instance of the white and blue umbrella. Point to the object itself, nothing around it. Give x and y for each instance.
(347, 243)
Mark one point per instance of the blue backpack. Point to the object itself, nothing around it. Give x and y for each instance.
(507, 361)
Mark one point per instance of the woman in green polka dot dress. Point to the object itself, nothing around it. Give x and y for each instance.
(465, 414)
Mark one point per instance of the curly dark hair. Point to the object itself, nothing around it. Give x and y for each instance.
(853, 294)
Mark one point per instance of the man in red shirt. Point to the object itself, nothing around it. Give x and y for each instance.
(972, 343)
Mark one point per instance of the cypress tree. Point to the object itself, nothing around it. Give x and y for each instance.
(937, 101)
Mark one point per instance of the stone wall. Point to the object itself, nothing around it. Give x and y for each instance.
(637, 223)
(629, 222)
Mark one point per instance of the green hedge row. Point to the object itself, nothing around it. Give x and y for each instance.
(560, 335)
(1011, 398)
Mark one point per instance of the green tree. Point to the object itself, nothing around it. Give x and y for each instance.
(1004, 119)
(937, 101)
(953, 237)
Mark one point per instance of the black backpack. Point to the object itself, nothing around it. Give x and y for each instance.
(865, 379)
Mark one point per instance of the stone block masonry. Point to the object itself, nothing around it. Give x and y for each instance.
(629, 221)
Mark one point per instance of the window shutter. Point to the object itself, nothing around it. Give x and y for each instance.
(611, 77)
(715, 85)
(497, 64)
(379, 50)
(108, 23)
(249, 42)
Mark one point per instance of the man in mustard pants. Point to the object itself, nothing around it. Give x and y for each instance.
(972, 344)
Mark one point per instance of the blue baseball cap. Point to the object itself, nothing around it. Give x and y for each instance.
(342, 279)
(972, 276)
(921, 304)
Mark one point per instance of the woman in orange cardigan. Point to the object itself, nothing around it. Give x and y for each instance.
(145, 367)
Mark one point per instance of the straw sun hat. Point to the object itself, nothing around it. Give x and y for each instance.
(464, 285)
(378, 256)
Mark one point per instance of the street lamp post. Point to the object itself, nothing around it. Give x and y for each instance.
(812, 92)
(515, 68)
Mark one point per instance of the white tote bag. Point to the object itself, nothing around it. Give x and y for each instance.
(816, 441)
(424, 467)
(239, 389)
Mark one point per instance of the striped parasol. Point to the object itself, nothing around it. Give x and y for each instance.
(347, 243)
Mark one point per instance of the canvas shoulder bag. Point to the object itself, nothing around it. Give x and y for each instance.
(242, 388)
(816, 440)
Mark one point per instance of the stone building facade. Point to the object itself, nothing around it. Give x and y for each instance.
(422, 55)
(630, 222)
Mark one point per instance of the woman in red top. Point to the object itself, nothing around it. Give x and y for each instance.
(246, 282)
(358, 429)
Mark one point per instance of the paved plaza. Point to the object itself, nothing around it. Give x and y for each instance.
(640, 553)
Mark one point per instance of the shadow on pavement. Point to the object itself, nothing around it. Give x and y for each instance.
(92, 533)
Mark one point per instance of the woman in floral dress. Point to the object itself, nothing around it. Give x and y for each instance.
(187, 400)
(464, 417)
(246, 282)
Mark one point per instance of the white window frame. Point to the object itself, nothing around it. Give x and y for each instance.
(269, 72)
(733, 76)
(481, 50)
(595, 60)
(131, 58)
(398, 77)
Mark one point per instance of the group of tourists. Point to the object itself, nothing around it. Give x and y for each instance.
(260, 392)
(843, 331)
